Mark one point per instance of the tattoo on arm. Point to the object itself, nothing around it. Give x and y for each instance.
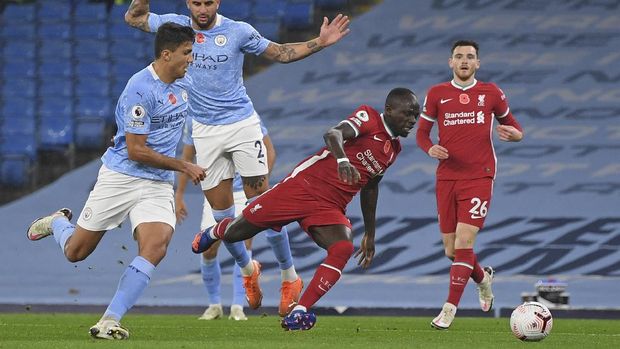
(313, 46)
(255, 182)
(137, 14)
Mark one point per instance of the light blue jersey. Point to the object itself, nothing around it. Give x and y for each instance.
(188, 140)
(217, 70)
(150, 107)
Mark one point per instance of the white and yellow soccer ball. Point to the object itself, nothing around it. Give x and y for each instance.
(531, 322)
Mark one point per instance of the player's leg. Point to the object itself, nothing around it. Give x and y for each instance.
(210, 270)
(239, 295)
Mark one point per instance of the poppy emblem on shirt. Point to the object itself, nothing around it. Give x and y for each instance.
(387, 146)
(172, 98)
(200, 38)
(464, 98)
(220, 40)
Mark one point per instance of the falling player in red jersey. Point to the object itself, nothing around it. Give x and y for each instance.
(464, 109)
(318, 190)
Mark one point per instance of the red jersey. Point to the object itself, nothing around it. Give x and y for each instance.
(372, 151)
(465, 117)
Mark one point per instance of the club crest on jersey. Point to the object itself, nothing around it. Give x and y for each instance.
(137, 112)
(88, 213)
(184, 95)
(481, 100)
(200, 38)
(220, 40)
(172, 98)
(464, 98)
(387, 146)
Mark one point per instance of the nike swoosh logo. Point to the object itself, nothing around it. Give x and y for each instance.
(442, 101)
(377, 138)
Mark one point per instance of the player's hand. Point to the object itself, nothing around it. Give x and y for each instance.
(508, 133)
(366, 252)
(332, 32)
(348, 173)
(438, 152)
(180, 210)
(195, 172)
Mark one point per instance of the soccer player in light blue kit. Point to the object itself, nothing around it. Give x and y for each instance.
(209, 263)
(226, 130)
(137, 175)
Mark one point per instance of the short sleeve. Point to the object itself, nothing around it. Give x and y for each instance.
(252, 42)
(363, 120)
(156, 21)
(429, 110)
(500, 109)
(138, 108)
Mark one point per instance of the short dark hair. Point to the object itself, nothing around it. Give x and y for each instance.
(398, 95)
(471, 43)
(171, 35)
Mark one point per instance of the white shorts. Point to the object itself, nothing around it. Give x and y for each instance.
(118, 195)
(207, 213)
(224, 149)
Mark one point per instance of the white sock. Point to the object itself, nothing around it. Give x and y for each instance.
(289, 274)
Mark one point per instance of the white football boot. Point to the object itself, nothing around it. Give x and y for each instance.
(236, 313)
(213, 312)
(445, 317)
(107, 328)
(485, 293)
(42, 227)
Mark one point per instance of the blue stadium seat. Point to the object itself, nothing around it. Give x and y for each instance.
(54, 11)
(122, 31)
(298, 15)
(54, 107)
(24, 31)
(89, 132)
(129, 49)
(16, 13)
(89, 69)
(55, 133)
(124, 69)
(269, 10)
(19, 69)
(17, 50)
(26, 88)
(332, 4)
(90, 31)
(90, 50)
(89, 107)
(269, 28)
(117, 14)
(88, 86)
(55, 49)
(239, 10)
(15, 170)
(55, 31)
(90, 12)
(19, 144)
(52, 68)
(17, 126)
(164, 6)
(56, 87)
(19, 107)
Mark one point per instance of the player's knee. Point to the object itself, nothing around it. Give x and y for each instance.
(342, 249)
(449, 253)
(75, 255)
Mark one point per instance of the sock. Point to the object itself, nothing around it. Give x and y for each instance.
(237, 249)
(477, 273)
(63, 230)
(282, 250)
(131, 285)
(211, 277)
(238, 290)
(460, 272)
(328, 273)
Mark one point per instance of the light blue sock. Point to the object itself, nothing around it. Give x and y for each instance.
(132, 284)
(238, 290)
(211, 276)
(279, 244)
(63, 229)
(236, 249)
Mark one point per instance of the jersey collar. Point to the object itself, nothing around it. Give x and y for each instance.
(152, 71)
(464, 88)
(387, 128)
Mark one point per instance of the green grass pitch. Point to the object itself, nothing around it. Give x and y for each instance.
(184, 331)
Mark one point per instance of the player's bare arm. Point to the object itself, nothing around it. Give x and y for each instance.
(138, 15)
(334, 139)
(179, 204)
(509, 133)
(330, 34)
(137, 150)
(368, 202)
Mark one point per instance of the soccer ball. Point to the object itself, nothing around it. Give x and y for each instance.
(531, 321)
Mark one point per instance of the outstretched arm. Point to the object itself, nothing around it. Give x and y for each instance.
(368, 202)
(138, 15)
(330, 34)
(334, 139)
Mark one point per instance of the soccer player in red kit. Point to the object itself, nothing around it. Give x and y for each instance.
(316, 193)
(464, 110)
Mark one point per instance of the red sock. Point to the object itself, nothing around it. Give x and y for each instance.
(460, 272)
(477, 274)
(328, 273)
(220, 228)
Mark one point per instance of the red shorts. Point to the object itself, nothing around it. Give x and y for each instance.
(463, 201)
(288, 202)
